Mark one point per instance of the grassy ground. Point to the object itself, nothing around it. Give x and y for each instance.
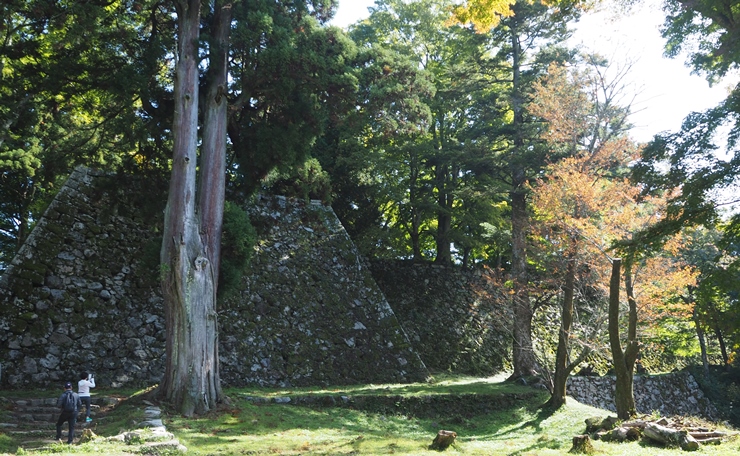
(490, 418)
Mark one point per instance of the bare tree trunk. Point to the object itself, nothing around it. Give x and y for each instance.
(624, 361)
(702, 340)
(415, 212)
(191, 382)
(213, 163)
(714, 317)
(444, 217)
(566, 322)
(563, 367)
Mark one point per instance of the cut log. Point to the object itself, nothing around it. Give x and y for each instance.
(620, 434)
(582, 445)
(716, 440)
(443, 440)
(598, 423)
(707, 435)
(639, 424)
(673, 437)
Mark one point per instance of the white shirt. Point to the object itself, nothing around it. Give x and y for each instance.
(83, 387)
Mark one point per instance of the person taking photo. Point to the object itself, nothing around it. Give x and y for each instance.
(86, 382)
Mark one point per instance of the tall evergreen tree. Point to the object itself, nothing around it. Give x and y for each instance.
(529, 40)
(439, 197)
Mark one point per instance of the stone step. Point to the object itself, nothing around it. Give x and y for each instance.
(36, 423)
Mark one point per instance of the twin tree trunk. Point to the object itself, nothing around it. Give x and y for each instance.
(624, 361)
(190, 252)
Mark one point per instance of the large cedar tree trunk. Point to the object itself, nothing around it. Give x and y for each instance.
(191, 238)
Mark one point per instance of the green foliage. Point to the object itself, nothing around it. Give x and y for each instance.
(237, 242)
(707, 31)
(695, 161)
(7, 445)
(290, 76)
(71, 82)
(410, 166)
(307, 181)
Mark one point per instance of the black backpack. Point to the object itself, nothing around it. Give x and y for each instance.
(68, 403)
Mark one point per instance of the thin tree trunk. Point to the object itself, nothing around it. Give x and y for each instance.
(566, 322)
(716, 328)
(702, 340)
(722, 345)
(415, 201)
(522, 351)
(624, 399)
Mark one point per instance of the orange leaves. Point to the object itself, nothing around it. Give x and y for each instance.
(585, 203)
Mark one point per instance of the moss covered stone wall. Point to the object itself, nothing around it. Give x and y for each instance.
(76, 296)
(310, 312)
(83, 294)
(457, 320)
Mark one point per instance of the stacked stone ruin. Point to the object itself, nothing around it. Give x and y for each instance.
(83, 294)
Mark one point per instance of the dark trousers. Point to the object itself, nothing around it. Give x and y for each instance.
(70, 417)
(86, 400)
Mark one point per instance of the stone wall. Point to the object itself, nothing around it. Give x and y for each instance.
(76, 296)
(310, 312)
(669, 394)
(83, 294)
(457, 320)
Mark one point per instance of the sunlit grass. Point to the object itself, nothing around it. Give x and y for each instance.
(441, 384)
(247, 427)
(525, 429)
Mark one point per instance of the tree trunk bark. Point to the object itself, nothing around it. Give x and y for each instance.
(522, 351)
(702, 340)
(722, 346)
(213, 163)
(415, 202)
(213, 155)
(671, 436)
(624, 399)
(190, 381)
(562, 370)
(444, 217)
(714, 322)
(582, 445)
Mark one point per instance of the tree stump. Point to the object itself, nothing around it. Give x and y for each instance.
(582, 445)
(87, 435)
(443, 440)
